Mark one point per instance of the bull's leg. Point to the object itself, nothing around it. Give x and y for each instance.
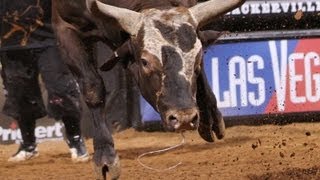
(210, 116)
(78, 59)
(105, 157)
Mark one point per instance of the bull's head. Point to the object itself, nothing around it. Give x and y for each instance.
(168, 54)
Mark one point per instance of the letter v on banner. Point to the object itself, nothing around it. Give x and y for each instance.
(279, 72)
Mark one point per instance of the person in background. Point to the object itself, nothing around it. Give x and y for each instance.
(27, 49)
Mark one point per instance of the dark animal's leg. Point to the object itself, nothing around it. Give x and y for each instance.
(91, 84)
(63, 100)
(210, 116)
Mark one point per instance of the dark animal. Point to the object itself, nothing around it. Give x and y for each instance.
(160, 43)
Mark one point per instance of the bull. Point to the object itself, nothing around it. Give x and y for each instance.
(160, 43)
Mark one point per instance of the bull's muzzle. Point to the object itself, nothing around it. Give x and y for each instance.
(185, 119)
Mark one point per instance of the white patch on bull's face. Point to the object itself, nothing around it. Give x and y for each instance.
(153, 40)
(189, 61)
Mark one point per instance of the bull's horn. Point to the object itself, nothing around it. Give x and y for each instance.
(206, 11)
(129, 20)
(89, 4)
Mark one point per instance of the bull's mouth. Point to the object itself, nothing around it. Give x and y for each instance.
(177, 127)
(181, 120)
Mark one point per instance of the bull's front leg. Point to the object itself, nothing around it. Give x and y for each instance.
(211, 120)
(76, 56)
(105, 158)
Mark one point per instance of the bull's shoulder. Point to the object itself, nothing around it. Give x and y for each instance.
(70, 7)
(72, 11)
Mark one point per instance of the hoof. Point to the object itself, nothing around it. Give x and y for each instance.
(219, 128)
(206, 133)
(112, 170)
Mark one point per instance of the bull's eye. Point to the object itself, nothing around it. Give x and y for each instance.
(144, 62)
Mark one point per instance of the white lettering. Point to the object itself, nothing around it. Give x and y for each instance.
(265, 8)
(238, 79)
(58, 128)
(236, 11)
(310, 7)
(216, 85)
(295, 78)
(309, 77)
(318, 5)
(41, 132)
(301, 6)
(5, 135)
(260, 98)
(293, 7)
(275, 8)
(19, 134)
(255, 8)
(285, 7)
(14, 134)
(50, 131)
(279, 72)
(245, 9)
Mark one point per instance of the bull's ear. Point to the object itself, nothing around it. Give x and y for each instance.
(205, 12)
(110, 63)
(129, 20)
(208, 37)
(122, 54)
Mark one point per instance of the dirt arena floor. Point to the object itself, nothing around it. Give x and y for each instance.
(248, 152)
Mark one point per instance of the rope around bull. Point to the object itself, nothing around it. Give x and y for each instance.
(183, 141)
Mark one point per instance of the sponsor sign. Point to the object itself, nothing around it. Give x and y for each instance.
(274, 15)
(11, 134)
(276, 7)
(262, 77)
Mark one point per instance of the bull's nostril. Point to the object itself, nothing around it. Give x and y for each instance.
(172, 118)
(173, 121)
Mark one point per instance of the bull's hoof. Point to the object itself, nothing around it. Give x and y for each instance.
(111, 170)
(219, 128)
(205, 132)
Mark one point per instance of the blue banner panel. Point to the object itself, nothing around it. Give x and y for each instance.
(262, 77)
